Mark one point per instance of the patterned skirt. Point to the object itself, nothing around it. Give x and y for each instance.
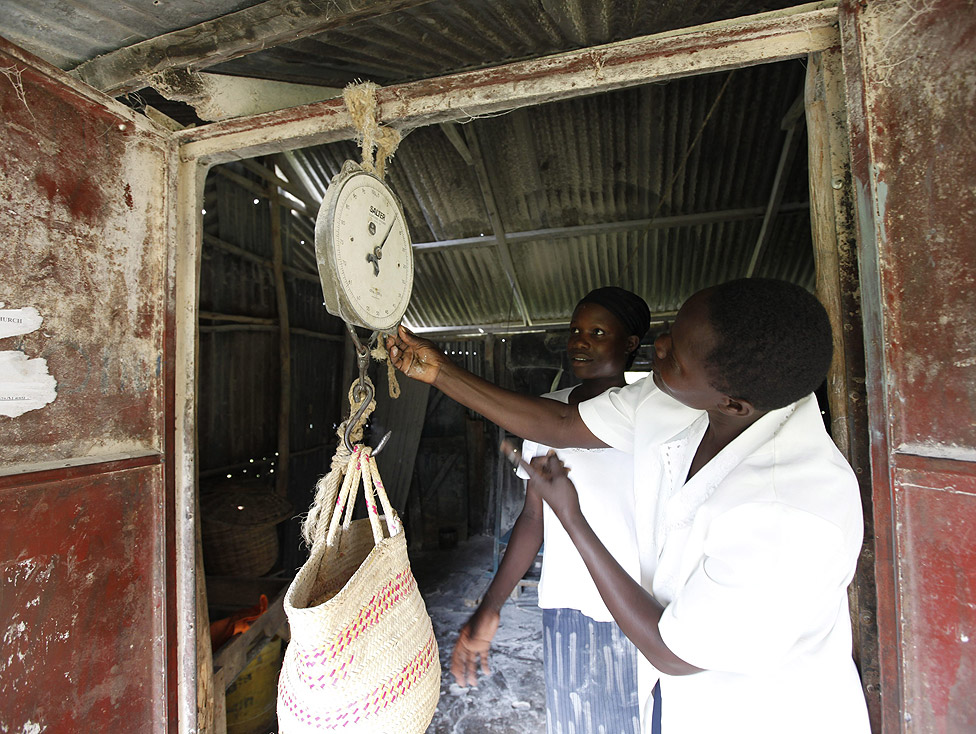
(591, 675)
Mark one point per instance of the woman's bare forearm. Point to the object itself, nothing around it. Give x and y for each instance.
(522, 549)
(541, 420)
(636, 612)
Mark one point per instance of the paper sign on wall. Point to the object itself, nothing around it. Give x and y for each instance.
(25, 384)
(17, 321)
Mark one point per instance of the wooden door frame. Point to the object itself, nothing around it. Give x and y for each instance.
(809, 31)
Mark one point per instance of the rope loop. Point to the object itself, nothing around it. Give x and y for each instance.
(377, 142)
(381, 355)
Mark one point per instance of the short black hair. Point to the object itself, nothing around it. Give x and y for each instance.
(773, 341)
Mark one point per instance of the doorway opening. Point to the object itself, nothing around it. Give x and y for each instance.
(711, 216)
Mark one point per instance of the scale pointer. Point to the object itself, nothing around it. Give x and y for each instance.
(377, 253)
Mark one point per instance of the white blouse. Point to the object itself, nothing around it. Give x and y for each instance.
(751, 558)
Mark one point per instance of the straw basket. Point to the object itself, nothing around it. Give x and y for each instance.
(362, 656)
(238, 530)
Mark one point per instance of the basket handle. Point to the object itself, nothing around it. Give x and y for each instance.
(362, 466)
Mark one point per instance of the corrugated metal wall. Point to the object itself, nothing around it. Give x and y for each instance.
(240, 365)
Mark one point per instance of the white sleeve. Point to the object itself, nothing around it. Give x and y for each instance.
(611, 416)
(530, 449)
(768, 573)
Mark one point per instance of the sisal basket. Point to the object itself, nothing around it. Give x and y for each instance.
(362, 656)
(238, 530)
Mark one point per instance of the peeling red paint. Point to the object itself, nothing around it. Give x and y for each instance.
(911, 95)
(88, 211)
(74, 189)
(78, 603)
(939, 538)
(82, 565)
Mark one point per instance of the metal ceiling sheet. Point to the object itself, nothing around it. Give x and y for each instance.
(67, 33)
(446, 36)
(696, 146)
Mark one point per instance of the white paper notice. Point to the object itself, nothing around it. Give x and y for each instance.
(24, 384)
(17, 321)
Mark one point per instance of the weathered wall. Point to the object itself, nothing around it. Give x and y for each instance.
(80, 606)
(83, 196)
(911, 92)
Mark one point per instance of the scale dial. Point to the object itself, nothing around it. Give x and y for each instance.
(363, 249)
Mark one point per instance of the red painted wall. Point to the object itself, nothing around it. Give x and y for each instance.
(911, 92)
(82, 602)
(85, 586)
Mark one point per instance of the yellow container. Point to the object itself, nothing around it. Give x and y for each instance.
(252, 697)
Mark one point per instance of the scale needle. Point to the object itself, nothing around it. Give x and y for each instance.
(377, 253)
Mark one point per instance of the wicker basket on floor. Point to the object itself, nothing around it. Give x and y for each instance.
(238, 528)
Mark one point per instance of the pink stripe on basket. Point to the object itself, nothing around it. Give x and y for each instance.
(375, 702)
(310, 660)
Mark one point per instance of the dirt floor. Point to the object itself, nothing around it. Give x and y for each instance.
(512, 699)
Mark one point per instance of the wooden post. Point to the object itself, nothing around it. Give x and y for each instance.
(210, 700)
(284, 344)
(835, 251)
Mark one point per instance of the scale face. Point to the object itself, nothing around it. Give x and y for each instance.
(363, 250)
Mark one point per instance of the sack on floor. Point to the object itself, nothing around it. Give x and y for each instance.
(362, 656)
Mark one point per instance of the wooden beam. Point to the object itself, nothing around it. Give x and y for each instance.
(271, 23)
(764, 38)
(217, 243)
(193, 681)
(212, 316)
(209, 694)
(835, 246)
(454, 136)
(269, 327)
(244, 182)
(586, 230)
(284, 347)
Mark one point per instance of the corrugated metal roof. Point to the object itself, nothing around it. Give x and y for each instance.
(68, 33)
(660, 189)
(446, 36)
(427, 40)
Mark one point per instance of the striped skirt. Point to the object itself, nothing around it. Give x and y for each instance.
(591, 675)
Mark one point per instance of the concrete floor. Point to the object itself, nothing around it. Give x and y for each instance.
(512, 699)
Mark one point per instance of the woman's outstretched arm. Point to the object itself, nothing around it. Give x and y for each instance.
(538, 419)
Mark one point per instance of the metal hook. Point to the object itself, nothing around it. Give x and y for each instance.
(362, 357)
(382, 443)
(353, 420)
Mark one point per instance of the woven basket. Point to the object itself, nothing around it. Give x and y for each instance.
(238, 530)
(362, 656)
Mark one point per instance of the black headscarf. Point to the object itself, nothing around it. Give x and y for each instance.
(629, 308)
